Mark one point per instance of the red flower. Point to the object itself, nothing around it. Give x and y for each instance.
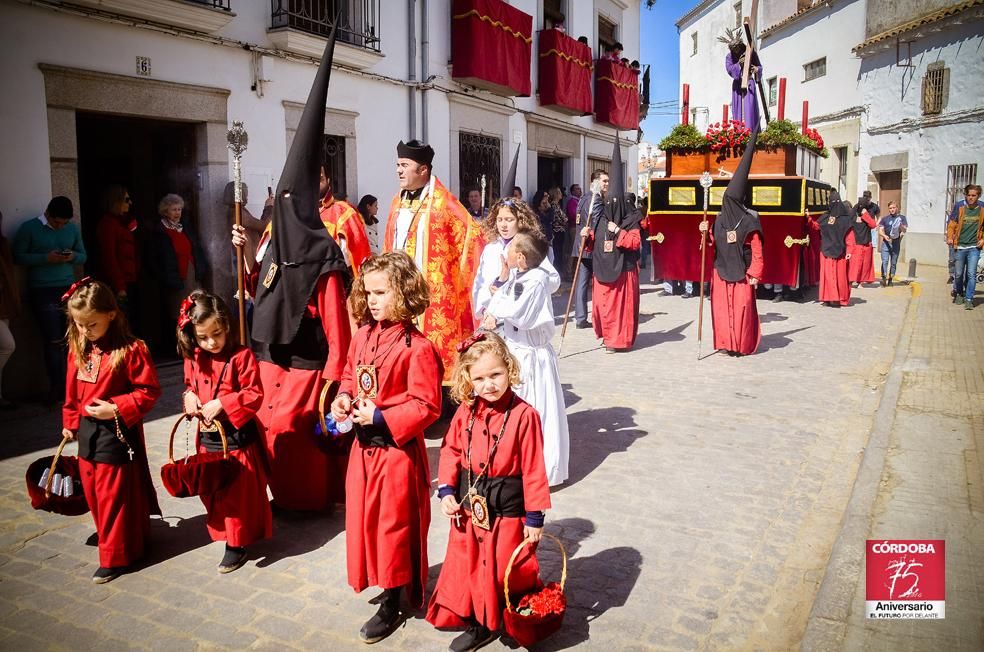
(549, 600)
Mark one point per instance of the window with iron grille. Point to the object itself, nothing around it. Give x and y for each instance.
(217, 4)
(815, 69)
(773, 90)
(478, 155)
(935, 88)
(957, 178)
(333, 158)
(358, 20)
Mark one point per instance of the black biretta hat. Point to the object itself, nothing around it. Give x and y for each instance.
(416, 151)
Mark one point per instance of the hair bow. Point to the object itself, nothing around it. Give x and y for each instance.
(75, 286)
(465, 344)
(506, 202)
(184, 313)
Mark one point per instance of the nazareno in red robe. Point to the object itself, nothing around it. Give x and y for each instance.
(860, 257)
(387, 488)
(302, 477)
(615, 306)
(733, 310)
(470, 586)
(120, 496)
(238, 514)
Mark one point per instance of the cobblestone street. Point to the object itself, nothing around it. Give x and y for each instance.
(719, 504)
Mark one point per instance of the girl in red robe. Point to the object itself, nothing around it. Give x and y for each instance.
(391, 390)
(222, 382)
(111, 384)
(835, 224)
(496, 446)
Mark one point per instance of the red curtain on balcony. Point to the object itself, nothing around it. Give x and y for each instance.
(565, 73)
(491, 46)
(616, 95)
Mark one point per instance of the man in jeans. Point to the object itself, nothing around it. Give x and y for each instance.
(965, 233)
(49, 246)
(891, 228)
(952, 215)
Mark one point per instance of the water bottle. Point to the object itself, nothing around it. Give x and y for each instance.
(344, 427)
(67, 488)
(44, 479)
(56, 484)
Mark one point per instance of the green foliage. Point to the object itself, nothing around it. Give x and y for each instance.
(684, 138)
(784, 132)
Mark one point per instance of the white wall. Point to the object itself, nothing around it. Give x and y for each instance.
(710, 85)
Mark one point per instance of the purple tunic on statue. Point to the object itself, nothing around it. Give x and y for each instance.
(744, 104)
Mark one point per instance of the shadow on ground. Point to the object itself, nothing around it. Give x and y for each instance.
(596, 434)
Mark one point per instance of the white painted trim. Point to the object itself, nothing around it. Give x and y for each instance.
(189, 15)
(300, 42)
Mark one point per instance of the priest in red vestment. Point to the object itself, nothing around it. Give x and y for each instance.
(301, 327)
(616, 240)
(835, 224)
(436, 231)
(738, 263)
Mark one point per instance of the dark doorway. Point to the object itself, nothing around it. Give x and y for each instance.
(549, 173)
(151, 158)
(890, 189)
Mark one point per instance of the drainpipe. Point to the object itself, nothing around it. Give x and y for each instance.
(411, 65)
(424, 74)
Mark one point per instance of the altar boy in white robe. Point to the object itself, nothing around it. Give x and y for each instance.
(521, 306)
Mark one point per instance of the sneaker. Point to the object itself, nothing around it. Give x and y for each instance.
(609, 349)
(105, 574)
(889, 282)
(778, 298)
(968, 305)
(584, 324)
(853, 284)
(473, 638)
(233, 559)
(386, 620)
(949, 279)
(958, 299)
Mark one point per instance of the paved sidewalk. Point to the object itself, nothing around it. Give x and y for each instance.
(705, 501)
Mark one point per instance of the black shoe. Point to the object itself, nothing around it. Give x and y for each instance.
(778, 298)
(473, 638)
(949, 279)
(104, 574)
(584, 324)
(889, 282)
(386, 620)
(233, 559)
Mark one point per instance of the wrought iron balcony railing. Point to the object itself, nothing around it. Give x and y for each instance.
(215, 4)
(358, 20)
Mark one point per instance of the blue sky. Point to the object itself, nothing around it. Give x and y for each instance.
(661, 51)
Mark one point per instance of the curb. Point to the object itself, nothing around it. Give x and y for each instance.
(828, 620)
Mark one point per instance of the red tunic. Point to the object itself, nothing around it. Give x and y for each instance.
(182, 250)
(301, 476)
(834, 285)
(387, 489)
(117, 251)
(811, 253)
(615, 306)
(860, 258)
(471, 582)
(239, 514)
(346, 228)
(121, 497)
(733, 309)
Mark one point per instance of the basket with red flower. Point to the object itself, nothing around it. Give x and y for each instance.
(539, 614)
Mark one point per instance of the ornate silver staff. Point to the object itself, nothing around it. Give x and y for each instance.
(237, 139)
(705, 182)
(482, 183)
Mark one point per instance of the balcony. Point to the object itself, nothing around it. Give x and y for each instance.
(491, 46)
(303, 26)
(206, 16)
(616, 95)
(565, 73)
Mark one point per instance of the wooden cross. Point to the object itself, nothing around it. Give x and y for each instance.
(749, 49)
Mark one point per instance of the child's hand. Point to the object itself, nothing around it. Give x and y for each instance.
(450, 506)
(68, 434)
(192, 404)
(211, 410)
(341, 407)
(504, 271)
(534, 534)
(363, 412)
(102, 410)
(488, 322)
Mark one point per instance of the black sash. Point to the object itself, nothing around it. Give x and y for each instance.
(100, 444)
(504, 494)
(373, 436)
(237, 439)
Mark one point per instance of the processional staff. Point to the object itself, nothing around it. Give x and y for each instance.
(705, 182)
(237, 139)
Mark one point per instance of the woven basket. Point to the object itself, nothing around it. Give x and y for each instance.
(330, 444)
(42, 498)
(533, 628)
(201, 474)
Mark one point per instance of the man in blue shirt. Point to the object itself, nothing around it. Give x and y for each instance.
(49, 247)
(891, 228)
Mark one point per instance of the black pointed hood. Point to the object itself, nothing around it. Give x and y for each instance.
(735, 222)
(300, 250)
(510, 181)
(609, 265)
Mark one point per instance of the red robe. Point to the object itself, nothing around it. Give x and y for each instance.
(344, 225)
(733, 309)
(302, 477)
(811, 253)
(615, 306)
(121, 497)
(860, 258)
(471, 582)
(117, 259)
(387, 489)
(239, 514)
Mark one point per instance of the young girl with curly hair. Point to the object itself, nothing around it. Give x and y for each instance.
(391, 390)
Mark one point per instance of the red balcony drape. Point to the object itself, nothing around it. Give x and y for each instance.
(565, 73)
(616, 95)
(491, 46)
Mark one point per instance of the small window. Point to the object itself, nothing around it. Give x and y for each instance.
(841, 154)
(333, 158)
(957, 178)
(773, 90)
(738, 14)
(815, 69)
(935, 88)
(479, 155)
(553, 14)
(607, 33)
(694, 37)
